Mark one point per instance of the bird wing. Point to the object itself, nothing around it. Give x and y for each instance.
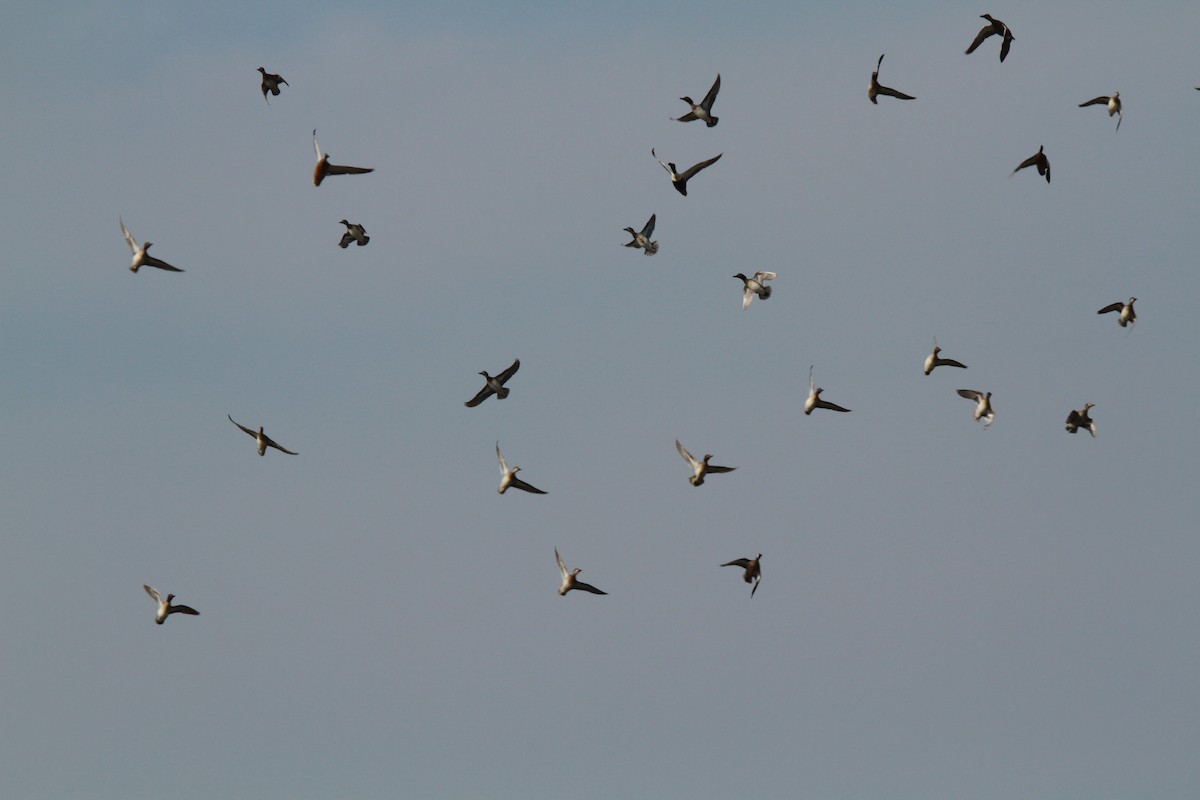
(1111, 307)
(713, 468)
(893, 93)
(347, 238)
(587, 587)
(830, 406)
(517, 483)
(129, 240)
(508, 373)
(1029, 162)
(1095, 101)
(709, 98)
(812, 385)
(971, 394)
(484, 394)
(562, 568)
(738, 562)
(272, 443)
(950, 362)
(688, 117)
(338, 169)
(151, 261)
(243, 427)
(500, 459)
(764, 276)
(756, 583)
(688, 457)
(1008, 38)
(184, 610)
(747, 296)
(983, 34)
(692, 170)
(150, 590)
(316, 146)
(648, 231)
(879, 64)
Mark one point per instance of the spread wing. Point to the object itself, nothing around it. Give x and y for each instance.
(500, 459)
(893, 93)
(185, 610)
(316, 146)
(151, 261)
(648, 231)
(508, 373)
(517, 483)
(562, 568)
(243, 427)
(1095, 101)
(686, 455)
(983, 34)
(692, 170)
(711, 97)
(484, 394)
(129, 240)
(150, 590)
(1111, 307)
(272, 443)
(338, 169)
(971, 394)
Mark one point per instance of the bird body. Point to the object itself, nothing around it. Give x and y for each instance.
(755, 286)
(270, 83)
(700, 466)
(494, 385)
(679, 179)
(983, 405)
(141, 253)
(262, 439)
(1038, 160)
(1081, 419)
(702, 110)
(875, 88)
(354, 233)
(165, 607)
(993, 28)
(1127, 315)
(642, 239)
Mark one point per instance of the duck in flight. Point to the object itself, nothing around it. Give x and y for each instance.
(165, 608)
(1038, 160)
(570, 580)
(983, 405)
(509, 479)
(679, 179)
(814, 400)
(494, 385)
(755, 286)
(933, 360)
(753, 572)
(642, 239)
(324, 168)
(993, 28)
(141, 253)
(1127, 315)
(1081, 419)
(354, 233)
(875, 88)
(700, 467)
(262, 439)
(1113, 103)
(270, 83)
(703, 109)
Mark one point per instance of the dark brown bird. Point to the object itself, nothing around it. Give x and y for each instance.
(324, 168)
(679, 179)
(270, 83)
(703, 109)
(1080, 419)
(753, 573)
(494, 385)
(1038, 160)
(993, 28)
(875, 88)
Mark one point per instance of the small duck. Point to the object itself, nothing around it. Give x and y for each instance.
(263, 440)
(642, 239)
(354, 233)
(1080, 419)
(509, 479)
(703, 109)
(324, 168)
(933, 360)
(983, 405)
(494, 385)
(875, 88)
(755, 286)
(141, 253)
(700, 467)
(570, 580)
(1127, 316)
(1038, 160)
(270, 83)
(679, 179)
(753, 573)
(994, 27)
(814, 400)
(1113, 103)
(165, 609)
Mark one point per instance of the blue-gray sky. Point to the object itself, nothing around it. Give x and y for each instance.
(945, 612)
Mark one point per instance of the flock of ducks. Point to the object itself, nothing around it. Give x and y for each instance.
(752, 286)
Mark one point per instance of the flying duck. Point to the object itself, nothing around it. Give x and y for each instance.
(1080, 419)
(508, 477)
(875, 88)
(1038, 160)
(703, 109)
(569, 579)
(814, 400)
(753, 573)
(642, 239)
(755, 286)
(270, 83)
(1127, 316)
(324, 168)
(933, 360)
(354, 233)
(1113, 103)
(141, 253)
(494, 385)
(983, 405)
(993, 27)
(263, 440)
(165, 609)
(700, 468)
(679, 179)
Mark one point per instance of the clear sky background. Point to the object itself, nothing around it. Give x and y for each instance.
(945, 612)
